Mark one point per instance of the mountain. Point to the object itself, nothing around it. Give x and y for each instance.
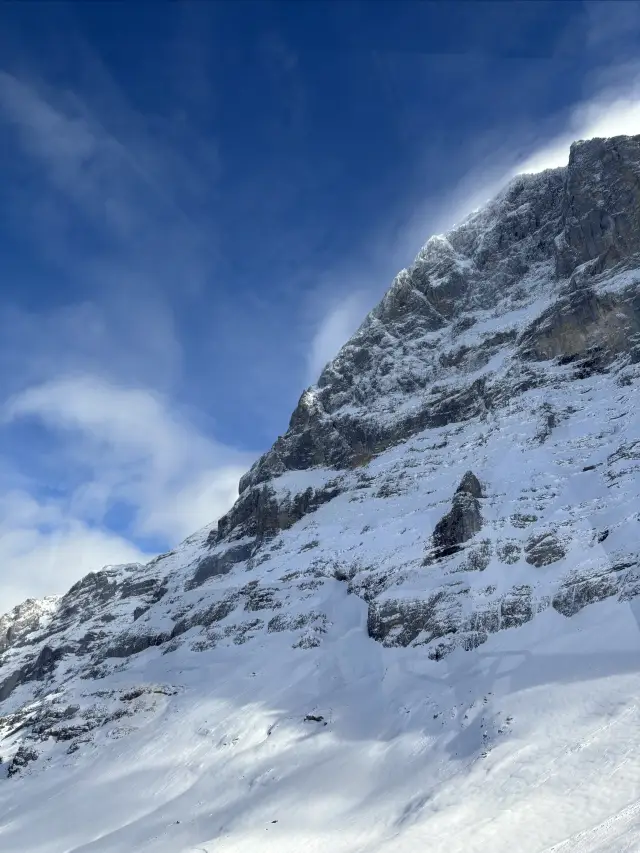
(419, 625)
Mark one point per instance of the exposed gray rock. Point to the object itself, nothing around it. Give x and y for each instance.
(258, 513)
(282, 622)
(260, 597)
(96, 588)
(462, 522)
(470, 485)
(601, 204)
(131, 643)
(587, 329)
(36, 669)
(152, 588)
(544, 548)
(220, 563)
(523, 519)
(208, 616)
(45, 663)
(478, 557)
(23, 757)
(400, 622)
(583, 589)
(9, 684)
(23, 620)
(549, 423)
(516, 607)
(438, 624)
(509, 551)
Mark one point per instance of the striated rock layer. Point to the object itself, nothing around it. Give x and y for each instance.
(469, 460)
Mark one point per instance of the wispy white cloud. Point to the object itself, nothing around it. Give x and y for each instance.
(135, 183)
(44, 549)
(122, 338)
(614, 110)
(137, 450)
(110, 165)
(336, 327)
(121, 448)
(134, 474)
(80, 158)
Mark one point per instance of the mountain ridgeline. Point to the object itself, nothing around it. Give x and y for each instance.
(469, 461)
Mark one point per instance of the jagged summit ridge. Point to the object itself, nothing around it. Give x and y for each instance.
(396, 351)
(512, 259)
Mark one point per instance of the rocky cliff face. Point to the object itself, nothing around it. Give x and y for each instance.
(534, 257)
(469, 460)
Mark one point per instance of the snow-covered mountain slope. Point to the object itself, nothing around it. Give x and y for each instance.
(419, 626)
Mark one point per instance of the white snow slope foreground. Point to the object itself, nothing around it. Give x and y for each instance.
(358, 659)
(528, 745)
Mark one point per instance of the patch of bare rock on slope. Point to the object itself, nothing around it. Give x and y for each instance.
(468, 460)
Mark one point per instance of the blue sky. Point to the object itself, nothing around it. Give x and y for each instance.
(200, 201)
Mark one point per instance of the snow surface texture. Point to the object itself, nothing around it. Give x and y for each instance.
(376, 650)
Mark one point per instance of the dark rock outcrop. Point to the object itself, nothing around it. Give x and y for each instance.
(95, 588)
(23, 757)
(586, 329)
(601, 205)
(131, 643)
(470, 485)
(583, 589)
(23, 620)
(220, 563)
(400, 623)
(258, 512)
(37, 669)
(462, 522)
(544, 548)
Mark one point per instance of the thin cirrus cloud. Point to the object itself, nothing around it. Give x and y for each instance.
(132, 475)
(81, 160)
(128, 179)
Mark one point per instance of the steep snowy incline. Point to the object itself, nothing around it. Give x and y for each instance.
(420, 622)
(527, 745)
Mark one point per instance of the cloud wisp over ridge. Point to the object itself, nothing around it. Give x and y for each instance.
(610, 108)
(613, 110)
